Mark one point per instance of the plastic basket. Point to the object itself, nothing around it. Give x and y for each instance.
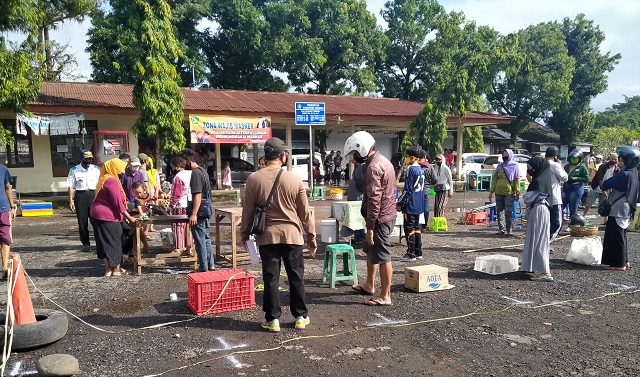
(204, 289)
(583, 231)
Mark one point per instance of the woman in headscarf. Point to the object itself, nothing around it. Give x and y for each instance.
(535, 257)
(442, 185)
(623, 200)
(108, 211)
(506, 186)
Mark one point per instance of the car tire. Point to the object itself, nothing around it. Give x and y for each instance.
(51, 325)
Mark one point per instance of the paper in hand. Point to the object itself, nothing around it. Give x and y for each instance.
(252, 249)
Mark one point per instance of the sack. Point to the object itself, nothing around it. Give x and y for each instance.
(587, 251)
(260, 214)
(604, 208)
(439, 187)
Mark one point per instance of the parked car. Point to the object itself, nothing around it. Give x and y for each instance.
(301, 169)
(471, 164)
(240, 169)
(491, 163)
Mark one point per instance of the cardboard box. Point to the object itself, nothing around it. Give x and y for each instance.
(426, 278)
(496, 264)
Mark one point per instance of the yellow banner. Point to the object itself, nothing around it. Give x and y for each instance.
(229, 129)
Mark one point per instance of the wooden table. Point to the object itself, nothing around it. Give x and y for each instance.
(235, 215)
(166, 258)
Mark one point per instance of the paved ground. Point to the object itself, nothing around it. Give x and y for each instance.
(583, 324)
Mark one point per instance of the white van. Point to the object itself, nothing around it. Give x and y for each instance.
(299, 165)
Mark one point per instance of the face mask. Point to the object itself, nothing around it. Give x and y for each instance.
(505, 159)
(85, 164)
(408, 160)
(359, 159)
(575, 161)
(613, 163)
(439, 163)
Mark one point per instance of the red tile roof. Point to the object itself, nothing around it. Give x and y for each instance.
(119, 97)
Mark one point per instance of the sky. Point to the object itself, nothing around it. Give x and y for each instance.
(617, 18)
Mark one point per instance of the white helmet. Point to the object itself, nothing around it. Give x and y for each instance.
(360, 143)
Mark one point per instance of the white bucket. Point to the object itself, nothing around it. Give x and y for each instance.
(329, 230)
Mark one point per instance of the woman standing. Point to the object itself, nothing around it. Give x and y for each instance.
(573, 189)
(180, 195)
(443, 185)
(535, 257)
(108, 211)
(506, 186)
(623, 200)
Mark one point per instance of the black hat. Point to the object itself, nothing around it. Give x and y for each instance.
(552, 152)
(274, 146)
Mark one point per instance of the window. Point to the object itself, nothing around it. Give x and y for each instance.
(65, 149)
(18, 154)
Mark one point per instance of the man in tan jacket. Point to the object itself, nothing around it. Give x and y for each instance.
(282, 240)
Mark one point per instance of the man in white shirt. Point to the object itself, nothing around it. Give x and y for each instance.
(82, 181)
(558, 177)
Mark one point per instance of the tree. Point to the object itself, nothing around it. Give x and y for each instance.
(427, 130)
(238, 53)
(156, 93)
(325, 46)
(473, 142)
(113, 45)
(608, 138)
(625, 114)
(583, 40)
(410, 23)
(536, 81)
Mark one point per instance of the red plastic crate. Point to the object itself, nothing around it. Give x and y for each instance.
(205, 287)
(476, 218)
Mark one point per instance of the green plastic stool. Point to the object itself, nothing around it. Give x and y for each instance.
(438, 223)
(331, 260)
(317, 193)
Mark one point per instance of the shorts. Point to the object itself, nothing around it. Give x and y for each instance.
(380, 251)
(592, 196)
(5, 228)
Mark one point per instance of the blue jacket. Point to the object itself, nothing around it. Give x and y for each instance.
(413, 193)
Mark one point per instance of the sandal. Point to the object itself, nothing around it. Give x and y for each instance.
(120, 273)
(108, 273)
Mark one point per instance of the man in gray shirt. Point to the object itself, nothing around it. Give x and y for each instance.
(558, 176)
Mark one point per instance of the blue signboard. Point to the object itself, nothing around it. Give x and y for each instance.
(310, 114)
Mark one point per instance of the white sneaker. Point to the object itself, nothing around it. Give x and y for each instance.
(302, 322)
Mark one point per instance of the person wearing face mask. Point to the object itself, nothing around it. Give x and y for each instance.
(605, 171)
(82, 181)
(577, 176)
(180, 196)
(558, 177)
(443, 185)
(131, 175)
(623, 199)
(282, 240)
(506, 185)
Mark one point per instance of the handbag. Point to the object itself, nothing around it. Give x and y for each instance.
(260, 214)
(604, 208)
(439, 187)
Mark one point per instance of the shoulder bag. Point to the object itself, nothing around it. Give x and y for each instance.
(260, 214)
(604, 208)
(206, 207)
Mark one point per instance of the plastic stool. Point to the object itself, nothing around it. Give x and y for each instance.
(492, 211)
(331, 260)
(438, 223)
(476, 218)
(517, 210)
(317, 193)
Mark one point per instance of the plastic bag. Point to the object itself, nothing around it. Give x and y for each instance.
(586, 250)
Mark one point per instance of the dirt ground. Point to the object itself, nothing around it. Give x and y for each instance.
(583, 324)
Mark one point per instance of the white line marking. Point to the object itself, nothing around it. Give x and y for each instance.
(621, 287)
(385, 321)
(513, 301)
(227, 347)
(16, 369)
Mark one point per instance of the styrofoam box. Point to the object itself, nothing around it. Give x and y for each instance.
(496, 264)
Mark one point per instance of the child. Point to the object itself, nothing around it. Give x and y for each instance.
(411, 203)
(142, 201)
(226, 178)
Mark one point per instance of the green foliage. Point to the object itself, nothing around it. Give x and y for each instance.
(325, 46)
(114, 45)
(608, 138)
(473, 142)
(536, 80)
(239, 53)
(156, 93)
(625, 114)
(428, 130)
(583, 40)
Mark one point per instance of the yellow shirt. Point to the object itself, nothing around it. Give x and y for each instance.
(501, 185)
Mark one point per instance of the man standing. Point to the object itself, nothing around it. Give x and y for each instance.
(605, 171)
(82, 181)
(282, 239)
(337, 176)
(199, 217)
(379, 211)
(428, 176)
(7, 214)
(144, 169)
(558, 178)
(131, 175)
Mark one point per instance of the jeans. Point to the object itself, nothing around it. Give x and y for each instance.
(571, 196)
(200, 233)
(272, 257)
(556, 221)
(426, 212)
(359, 235)
(504, 209)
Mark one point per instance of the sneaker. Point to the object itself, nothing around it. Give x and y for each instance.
(86, 248)
(419, 257)
(272, 326)
(302, 322)
(409, 258)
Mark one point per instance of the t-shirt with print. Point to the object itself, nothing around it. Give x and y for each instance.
(5, 205)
